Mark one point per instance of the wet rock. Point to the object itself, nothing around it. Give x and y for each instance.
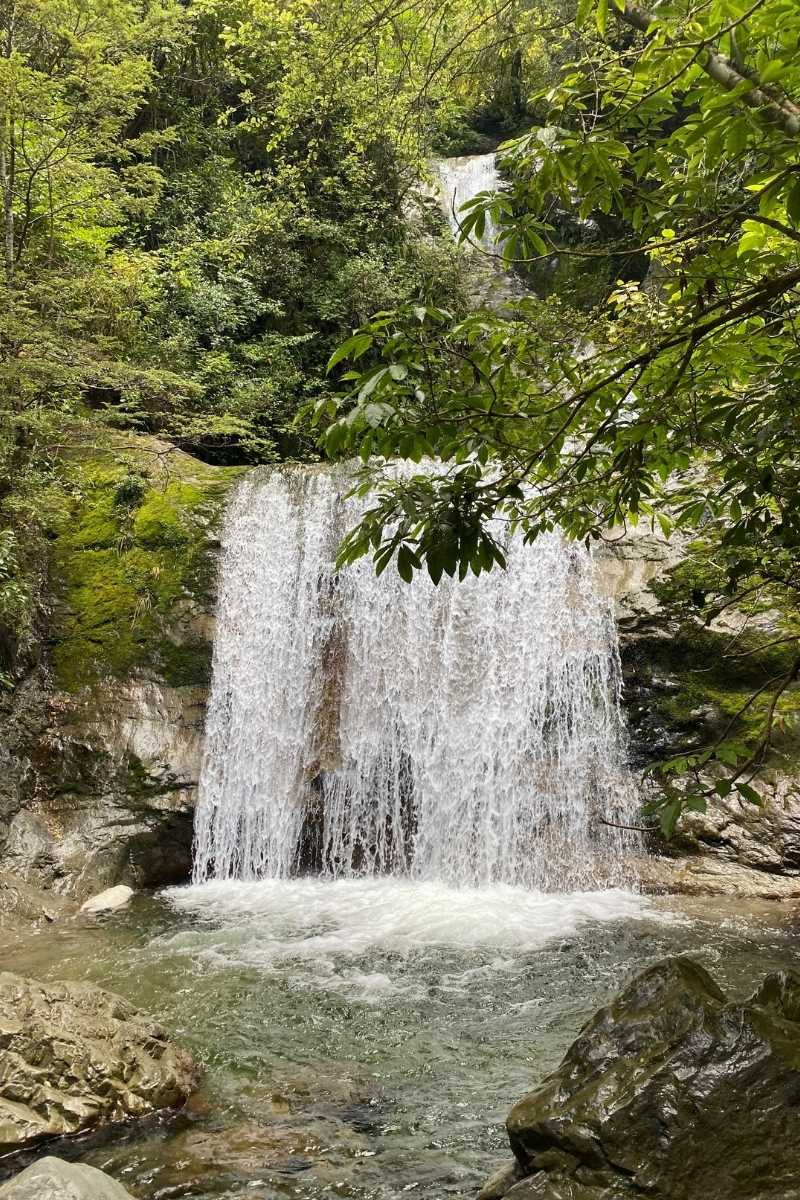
(53, 1179)
(73, 1056)
(673, 1092)
(710, 876)
(503, 1180)
(215, 1159)
(109, 900)
(22, 905)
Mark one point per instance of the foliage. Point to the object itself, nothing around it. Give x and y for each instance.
(673, 400)
(197, 202)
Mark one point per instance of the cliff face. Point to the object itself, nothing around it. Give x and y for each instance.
(100, 744)
(685, 681)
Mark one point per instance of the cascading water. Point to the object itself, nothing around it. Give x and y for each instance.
(468, 733)
(459, 180)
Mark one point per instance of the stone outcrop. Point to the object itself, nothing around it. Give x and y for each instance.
(54, 1179)
(73, 1056)
(711, 875)
(672, 1092)
(100, 738)
(106, 792)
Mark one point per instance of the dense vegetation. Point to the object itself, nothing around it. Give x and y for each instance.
(198, 203)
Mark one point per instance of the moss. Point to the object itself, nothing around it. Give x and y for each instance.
(133, 557)
(164, 519)
(695, 683)
(186, 665)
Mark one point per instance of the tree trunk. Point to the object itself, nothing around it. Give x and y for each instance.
(778, 110)
(7, 188)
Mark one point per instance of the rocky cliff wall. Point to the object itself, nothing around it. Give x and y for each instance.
(685, 681)
(101, 739)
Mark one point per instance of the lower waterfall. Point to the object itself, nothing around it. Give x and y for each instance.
(468, 733)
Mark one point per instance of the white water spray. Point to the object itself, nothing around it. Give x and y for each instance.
(469, 733)
(459, 180)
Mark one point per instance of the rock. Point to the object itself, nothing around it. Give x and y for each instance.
(710, 876)
(107, 901)
(673, 1092)
(108, 788)
(21, 904)
(53, 1179)
(503, 1180)
(627, 567)
(764, 839)
(100, 739)
(73, 1056)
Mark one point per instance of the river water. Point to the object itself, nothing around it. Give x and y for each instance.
(366, 1038)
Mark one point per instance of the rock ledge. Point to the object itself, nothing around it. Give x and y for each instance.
(73, 1056)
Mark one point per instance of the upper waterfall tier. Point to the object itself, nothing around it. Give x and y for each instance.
(469, 733)
(460, 180)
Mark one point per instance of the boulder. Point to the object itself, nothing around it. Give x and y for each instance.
(673, 1092)
(53, 1179)
(109, 900)
(73, 1056)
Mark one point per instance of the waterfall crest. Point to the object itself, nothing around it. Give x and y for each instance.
(469, 733)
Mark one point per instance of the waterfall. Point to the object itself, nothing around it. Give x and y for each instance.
(459, 179)
(468, 733)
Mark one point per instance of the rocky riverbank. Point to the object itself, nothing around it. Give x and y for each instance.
(670, 1091)
(74, 1057)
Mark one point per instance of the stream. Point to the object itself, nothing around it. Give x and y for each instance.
(366, 1038)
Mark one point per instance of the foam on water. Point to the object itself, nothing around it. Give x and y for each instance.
(365, 938)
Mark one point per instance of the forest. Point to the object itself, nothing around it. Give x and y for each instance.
(399, 599)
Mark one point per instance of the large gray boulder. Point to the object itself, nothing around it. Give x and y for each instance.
(73, 1056)
(672, 1092)
(53, 1179)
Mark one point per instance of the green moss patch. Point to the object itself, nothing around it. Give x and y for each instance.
(134, 556)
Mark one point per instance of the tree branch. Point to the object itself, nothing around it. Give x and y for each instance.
(781, 112)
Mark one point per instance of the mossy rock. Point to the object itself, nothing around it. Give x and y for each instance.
(134, 557)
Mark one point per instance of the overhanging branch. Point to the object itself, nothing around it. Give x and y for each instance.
(779, 111)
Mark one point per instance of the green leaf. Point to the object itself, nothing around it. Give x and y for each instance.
(372, 382)
(750, 794)
(670, 814)
(353, 348)
(793, 203)
(405, 564)
(584, 8)
(601, 17)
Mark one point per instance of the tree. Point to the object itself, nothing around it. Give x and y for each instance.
(675, 134)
